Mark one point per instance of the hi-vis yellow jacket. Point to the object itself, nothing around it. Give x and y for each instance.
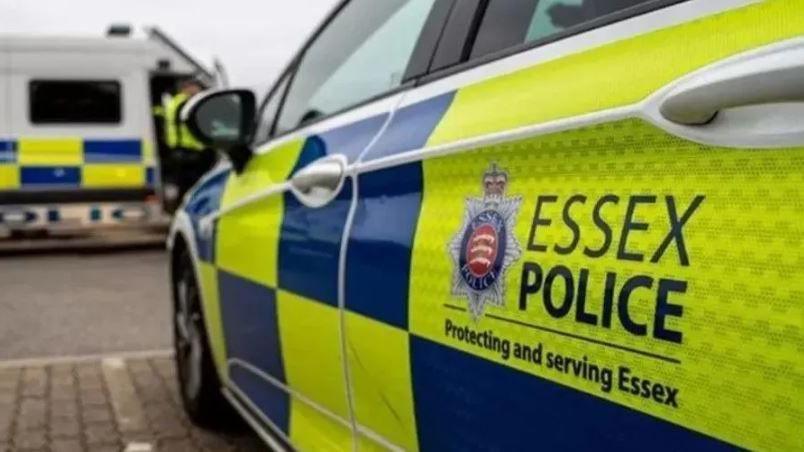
(177, 134)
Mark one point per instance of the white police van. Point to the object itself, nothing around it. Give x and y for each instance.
(80, 131)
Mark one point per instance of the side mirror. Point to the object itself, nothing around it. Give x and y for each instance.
(224, 120)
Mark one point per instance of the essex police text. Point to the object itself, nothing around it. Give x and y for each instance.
(563, 290)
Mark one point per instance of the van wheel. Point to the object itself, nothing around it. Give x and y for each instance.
(199, 383)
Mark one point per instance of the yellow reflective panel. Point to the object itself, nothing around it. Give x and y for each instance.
(365, 444)
(9, 177)
(148, 153)
(311, 350)
(614, 75)
(49, 151)
(208, 280)
(112, 175)
(379, 369)
(254, 230)
(310, 431)
(678, 262)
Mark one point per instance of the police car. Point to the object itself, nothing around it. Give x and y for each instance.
(506, 225)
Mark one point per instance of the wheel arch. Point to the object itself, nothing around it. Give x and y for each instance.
(180, 241)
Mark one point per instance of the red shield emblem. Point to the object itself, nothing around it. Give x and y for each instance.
(481, 250)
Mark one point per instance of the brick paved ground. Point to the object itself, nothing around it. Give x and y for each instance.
(77, 407)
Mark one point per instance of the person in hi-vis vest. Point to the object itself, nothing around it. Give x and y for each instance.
(192, 158)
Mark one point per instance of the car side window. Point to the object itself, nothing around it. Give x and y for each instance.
(362, 53)
(269, 111)
(508, 23)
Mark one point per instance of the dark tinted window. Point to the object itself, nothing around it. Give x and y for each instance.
(268, 113)
(362, 53)
(75, 102)
(507, 23)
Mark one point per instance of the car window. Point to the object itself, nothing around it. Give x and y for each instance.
(362, 53)
(74, 102)
(270, 108)
(508, 23)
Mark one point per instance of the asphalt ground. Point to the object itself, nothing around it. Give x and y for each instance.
(85, 360)
(82, 303)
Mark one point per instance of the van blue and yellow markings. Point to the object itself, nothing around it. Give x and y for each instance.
(74, 163)
(113, 151)
(8, 151)
(9, 172)
(50, 176)
(667, 285)
(9, 177)
(62, 152)
(113, 175)
(151, 176)
(119, 163)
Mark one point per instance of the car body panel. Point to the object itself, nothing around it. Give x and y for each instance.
(264, 247)
(597, 192)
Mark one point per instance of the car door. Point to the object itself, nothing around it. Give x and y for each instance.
(273, 257)
(582, 232)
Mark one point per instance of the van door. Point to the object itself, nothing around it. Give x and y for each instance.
(587, 234)
(8, 172)
(278, 245)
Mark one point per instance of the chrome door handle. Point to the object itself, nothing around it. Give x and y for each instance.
(774, 77)
(320, 182)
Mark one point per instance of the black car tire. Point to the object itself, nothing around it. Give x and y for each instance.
(199, 383)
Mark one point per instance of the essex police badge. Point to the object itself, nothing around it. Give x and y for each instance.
(485, 246)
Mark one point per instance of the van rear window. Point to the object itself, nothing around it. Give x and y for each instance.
(75, 102)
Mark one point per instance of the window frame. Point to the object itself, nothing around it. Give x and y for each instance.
(462, 24)
(467, 43)
(413, 71)
(284, 78)
(121, 119)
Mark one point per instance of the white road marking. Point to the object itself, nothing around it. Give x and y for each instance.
(126, 406)
(77, 359)
(138, 447)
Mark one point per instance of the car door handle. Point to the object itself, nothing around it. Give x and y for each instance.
(320, 182)
(775, 77)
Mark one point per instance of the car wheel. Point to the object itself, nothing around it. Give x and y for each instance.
(199, 383)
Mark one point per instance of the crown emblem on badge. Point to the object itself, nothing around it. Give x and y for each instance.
(495, 182)
(485, 246)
